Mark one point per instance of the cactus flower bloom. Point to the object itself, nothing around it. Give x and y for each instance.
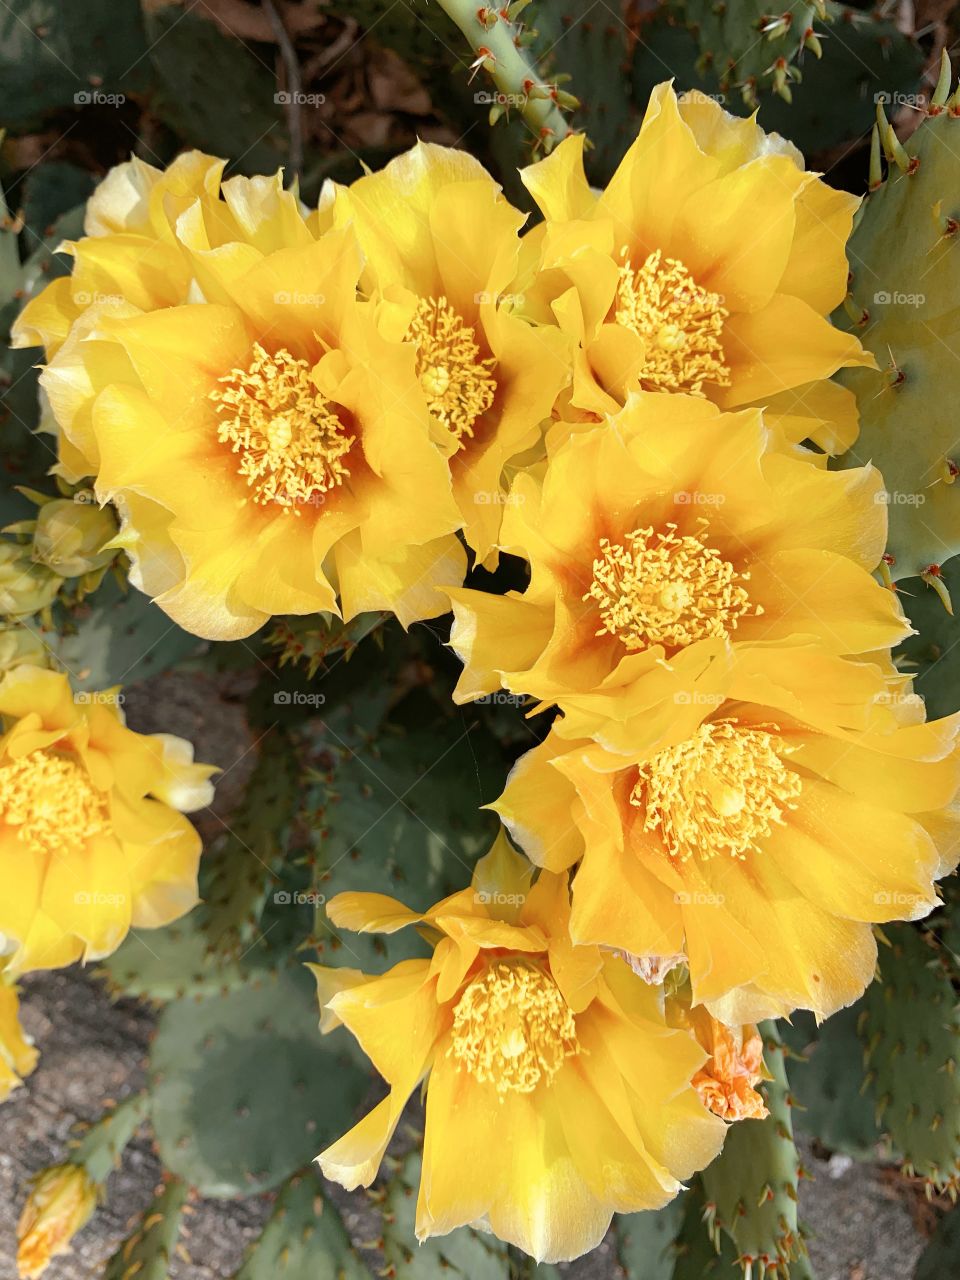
(18, 1057)
(670, 554)
(708, 265)
(441, 244)
(759, 847)
(139, 227)
(550, 1072)
(92, 837)
(268, 454)
(61, 1201)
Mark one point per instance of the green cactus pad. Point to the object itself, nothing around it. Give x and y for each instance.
(239, 871)
(932, 656)
(697, 1256)
(245, 1089)
(305, 1239)
(103, 1144)
(148, 1251)
(401, 816)
(464, 1252)
(827, 1082)
(645, 1241)
(910, 1030)
(751, 1188)
(905, 268)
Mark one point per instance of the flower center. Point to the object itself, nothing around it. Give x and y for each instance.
(679, 321)
(290, 442)
(664, 588)
(512, 1028)
(51, 803)
(458, 385)
(720, 791)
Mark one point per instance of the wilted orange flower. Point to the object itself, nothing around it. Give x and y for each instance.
(61, 1201)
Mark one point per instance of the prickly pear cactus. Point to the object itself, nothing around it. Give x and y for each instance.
(304, 1239)
(149, 1249)
(245, 1091)
(910, 1030)
(905, 275)
(752, 1186)
(471, 1254)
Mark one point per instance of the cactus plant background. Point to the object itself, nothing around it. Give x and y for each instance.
(186, 1074)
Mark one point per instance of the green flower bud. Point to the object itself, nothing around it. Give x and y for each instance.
(70, 536)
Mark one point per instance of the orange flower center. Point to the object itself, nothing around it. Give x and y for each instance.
(719, 791)
(666, 588)
(290, 443)
(50, 803)
(680, 322)
(512, 1028)
(458, 385)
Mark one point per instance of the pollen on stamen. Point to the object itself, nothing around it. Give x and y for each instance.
(459, 386)
(512, 1028)
(291, 444)
(664, 588)
(721, 791)
(49, 802)
(680, 322)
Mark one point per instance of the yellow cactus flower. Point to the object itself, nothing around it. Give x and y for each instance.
(92, 837)
(441, 244)
(708, 265)
(549, 1069)
(267, 455)
(61, 1201)
(756, 845)
(140, 225)
(18, 1057)
(670, 552)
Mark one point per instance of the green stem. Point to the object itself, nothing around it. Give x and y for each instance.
(495, 42)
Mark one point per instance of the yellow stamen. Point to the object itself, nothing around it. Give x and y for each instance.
(680, 322)
(291, 443)
(512, 1028)
(50, 803)
(719, 791)
(666, 588)
(458, 385)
